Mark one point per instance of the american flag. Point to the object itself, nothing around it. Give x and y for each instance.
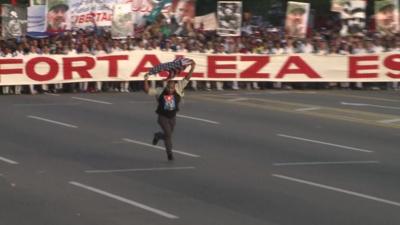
(174, 66)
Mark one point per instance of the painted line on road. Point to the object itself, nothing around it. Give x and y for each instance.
(141, 169)
(52, 121)
(324, 163)
(325, 143)
(8, 161)
(370, 105)
(347, 95)
(291, 92)
(237, 99)
(389, 121)
(159, 148)
(125, 200)
(92, 100)
(369, 197)
(141, 101)
(47, 104)
(198, 119)
(307, 109)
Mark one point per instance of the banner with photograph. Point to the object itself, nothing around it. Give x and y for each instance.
(206, 22)
(13, 21)
(158, 7)
(143, 11)
(58, 16)
(353, 17)
(297, 14)
(122, 24)
(90, 13)
(37, 19)
(181, 15)
(229, 15)
(387, 16)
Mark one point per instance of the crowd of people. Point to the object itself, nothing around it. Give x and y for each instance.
(254, 39)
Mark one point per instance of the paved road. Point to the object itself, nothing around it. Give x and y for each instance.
(262, 157)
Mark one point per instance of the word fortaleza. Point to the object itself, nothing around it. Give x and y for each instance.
(26, 70)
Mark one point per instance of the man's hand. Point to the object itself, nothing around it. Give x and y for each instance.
(146, 76)
(192, 66)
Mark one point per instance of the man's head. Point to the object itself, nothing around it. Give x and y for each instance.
(56, 14)
(170, 88)
(57, 5)
(229, 10)
(385, 11)
(296, 9)
(384, 6)
(184, 9)
(385, 14)
(296, 13)
(14, 15)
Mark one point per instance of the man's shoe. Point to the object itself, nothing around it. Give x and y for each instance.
(170, 156)
(155, 139)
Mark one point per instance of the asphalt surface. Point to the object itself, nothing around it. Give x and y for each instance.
(246, 157)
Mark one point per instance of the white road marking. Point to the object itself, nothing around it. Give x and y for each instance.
(140, 169)
(8, 161)
(291, 92)
(370, 105)
(47, 104)
(305, 92)
(92, 100)
(390, 121)
(325, 143)
(142, 102)
(369, 197)
(307, 109)
(125, 200)
(196, 118)
(237, 99)
(52, 121)
(159, 148)
(324, 163)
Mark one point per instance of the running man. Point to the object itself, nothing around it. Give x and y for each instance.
(168, 99)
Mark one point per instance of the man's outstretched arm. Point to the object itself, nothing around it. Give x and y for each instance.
(192, 66)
